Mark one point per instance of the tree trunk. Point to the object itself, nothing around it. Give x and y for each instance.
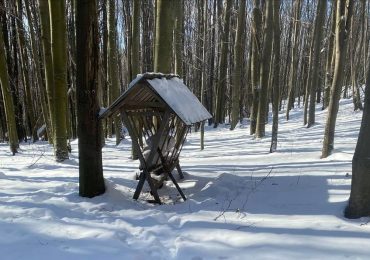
(294, 57)
(112, 69)
(25, 77)
(135, 47)
(7, 98)
(48, 63)
(135, 58)
(59, 57)
(89, 128)
(355, 50)
(221, 82)
(313, 80)
(330, 57)
(204, 68)
(359, 201)
(179, 37)
(276, 76)
(341, 31)
(238, 65)
(265, 70)
(255, 63)
(40, 82)
(148, 32)
(163, 37)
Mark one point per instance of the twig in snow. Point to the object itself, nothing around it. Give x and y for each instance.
(255, 187)
(238, 210)
(32, 164)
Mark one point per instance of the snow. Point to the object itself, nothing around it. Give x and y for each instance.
(243, 203)
(184, 103)
(102, 111)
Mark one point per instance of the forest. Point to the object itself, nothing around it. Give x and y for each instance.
(267, 71)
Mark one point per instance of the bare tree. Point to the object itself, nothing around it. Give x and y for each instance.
(265, 69)
(7, 98)
(359, 201)
(275, 76)
(89, 128)
(238, 65)
(314, 64)
(343, 21)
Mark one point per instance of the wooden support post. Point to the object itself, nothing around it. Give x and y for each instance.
(144, 174)
(167, 169)
(178, 168)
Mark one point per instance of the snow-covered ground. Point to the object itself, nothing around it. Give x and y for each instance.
(243, 203)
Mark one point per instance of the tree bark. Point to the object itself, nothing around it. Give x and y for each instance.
(89, 128)
(112, 69)
(265, 70)
(359, 201)
(276, 76)
(59, 57)
(204, 68)
(238, 65)
(135, 47)
(330, 57)
(255, 63)
(48, 63)
(7, 99)
(221, 82)
(40, 82)
(179, 37)
(163, 46)
(294, 57)
(313, 80)
(355, 50)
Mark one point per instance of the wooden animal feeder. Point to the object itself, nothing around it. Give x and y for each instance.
(158, 111)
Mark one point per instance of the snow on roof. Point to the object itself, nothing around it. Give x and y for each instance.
(172, 91)
(180, 99)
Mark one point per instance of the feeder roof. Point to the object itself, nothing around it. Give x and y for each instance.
(171, 89)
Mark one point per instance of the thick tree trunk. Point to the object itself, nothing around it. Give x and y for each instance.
(359, 201)
(59, 54)
(89, 128)
(265, 70)
(163, 46)
(179, 37)
(342, 29)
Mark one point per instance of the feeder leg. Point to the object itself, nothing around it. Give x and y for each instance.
(177, 186)
(153, 189)
(179, 170)
(140, 185)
